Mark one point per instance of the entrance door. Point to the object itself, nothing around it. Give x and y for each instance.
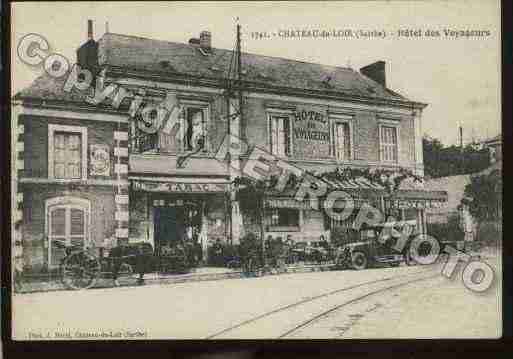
(168, 228)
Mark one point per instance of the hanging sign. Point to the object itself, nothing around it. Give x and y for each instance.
(152, 186)
(99, 160)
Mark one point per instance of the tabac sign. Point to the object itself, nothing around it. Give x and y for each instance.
(311, 133)
(152, 186)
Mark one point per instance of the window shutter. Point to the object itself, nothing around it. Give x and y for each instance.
(274, 137)
(77, 222)
(58, 222)
(347, 141)
(281, 136)
(288, 142)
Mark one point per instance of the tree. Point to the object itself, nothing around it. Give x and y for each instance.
(483, 196)
(442, 161)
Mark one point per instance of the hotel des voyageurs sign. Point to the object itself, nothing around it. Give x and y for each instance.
(311, 133)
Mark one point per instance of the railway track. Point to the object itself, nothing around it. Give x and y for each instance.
(282, 322)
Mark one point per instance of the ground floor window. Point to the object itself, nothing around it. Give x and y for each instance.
(283, 219)
(67, 224)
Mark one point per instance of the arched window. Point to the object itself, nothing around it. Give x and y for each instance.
(67, 224)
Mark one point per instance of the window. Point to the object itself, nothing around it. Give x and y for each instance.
(67, 152)
(343, 141)
(284, 219)
(66, 225)
(280, 135)
(186, 134)
(388, 143)
(194, 128)
(67, 155)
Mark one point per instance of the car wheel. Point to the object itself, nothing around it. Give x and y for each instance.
(358, 260)
(394, 264)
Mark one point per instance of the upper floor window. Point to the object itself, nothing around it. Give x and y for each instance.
(280, 135)
(343, 141)
(187, 132)
(388, 143)
(67, 147)
(194, 128)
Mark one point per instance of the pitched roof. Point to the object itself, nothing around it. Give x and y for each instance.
(172, 57)
(49, 88)
(164, 57)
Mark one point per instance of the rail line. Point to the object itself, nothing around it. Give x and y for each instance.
(337, 307)
(320, 296)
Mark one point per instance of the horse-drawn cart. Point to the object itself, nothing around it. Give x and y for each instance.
(82, 268)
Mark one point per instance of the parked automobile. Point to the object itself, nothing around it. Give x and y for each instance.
(299, 251)
(375, 245)
(318, 251)
(314, 251)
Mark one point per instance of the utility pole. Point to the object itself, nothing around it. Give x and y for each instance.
(239, 76)
(461, 139)
(461, 150)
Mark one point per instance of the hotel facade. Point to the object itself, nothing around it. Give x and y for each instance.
(87, 174)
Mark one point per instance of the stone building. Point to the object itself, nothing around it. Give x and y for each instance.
(87, 171)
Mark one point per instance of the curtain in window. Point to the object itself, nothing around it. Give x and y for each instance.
(389, 143)
(343, 144)
(194, 128)
(66, 227)
(173, 133)
(280, 136)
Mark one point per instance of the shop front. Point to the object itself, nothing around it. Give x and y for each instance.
(179, 214)
(304, 221)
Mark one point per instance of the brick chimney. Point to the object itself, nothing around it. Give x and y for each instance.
(87, 53)
(376, 71)
(90, 30)
(205, 40)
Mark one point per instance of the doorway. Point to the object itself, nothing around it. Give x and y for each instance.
(169, 228)
(176, 234)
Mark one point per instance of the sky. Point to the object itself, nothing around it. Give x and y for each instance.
(459, 78)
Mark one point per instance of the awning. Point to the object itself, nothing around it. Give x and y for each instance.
(363, 191)
(355, 184)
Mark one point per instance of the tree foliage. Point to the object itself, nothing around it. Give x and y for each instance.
(483, 196)
(442, 161)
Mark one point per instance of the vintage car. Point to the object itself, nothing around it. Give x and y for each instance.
(374, 245)
(309, 252)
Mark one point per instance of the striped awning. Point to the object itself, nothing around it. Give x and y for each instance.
(359, 183)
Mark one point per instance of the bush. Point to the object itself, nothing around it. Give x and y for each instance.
(449, 231)
(490, 233)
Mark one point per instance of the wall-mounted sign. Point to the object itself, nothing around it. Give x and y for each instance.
(419, 204)
(312, 137)
(287, 203)
(99, 160)
(152, 186)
